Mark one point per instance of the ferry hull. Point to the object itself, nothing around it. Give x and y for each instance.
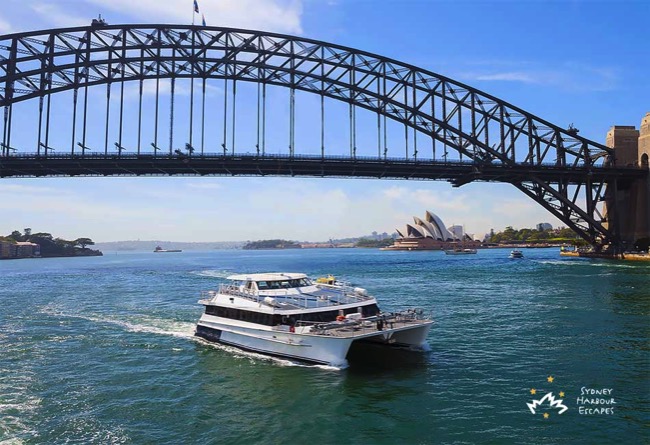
(329, 350)
(414, 337)
(322, 350)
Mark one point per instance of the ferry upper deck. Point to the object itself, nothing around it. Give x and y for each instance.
(288, 291)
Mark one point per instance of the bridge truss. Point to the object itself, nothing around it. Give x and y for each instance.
(447, 130)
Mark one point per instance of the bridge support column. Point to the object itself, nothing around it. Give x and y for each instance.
(627, 206)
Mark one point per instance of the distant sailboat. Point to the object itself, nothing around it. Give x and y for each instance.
(159, 249)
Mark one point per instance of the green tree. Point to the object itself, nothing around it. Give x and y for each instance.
(83, 242)
(524, 234)
(41, 236)
(64, 244)
(566, 233)
(366, 242)
(509, 234)
(16, 236)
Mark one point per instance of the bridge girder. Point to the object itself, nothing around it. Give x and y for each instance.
(488, 132)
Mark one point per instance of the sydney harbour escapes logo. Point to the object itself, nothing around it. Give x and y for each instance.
(547, 402)
(590, 402)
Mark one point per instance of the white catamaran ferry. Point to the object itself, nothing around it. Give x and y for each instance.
(288, 315)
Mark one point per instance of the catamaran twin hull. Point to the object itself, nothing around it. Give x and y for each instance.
(329, 347)
(288, 315)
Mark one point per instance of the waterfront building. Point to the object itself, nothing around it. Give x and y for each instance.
(544, 226)
(19, 250)
(5, 249)
(430, 234)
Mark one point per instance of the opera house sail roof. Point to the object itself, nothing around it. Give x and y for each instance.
(430, 227)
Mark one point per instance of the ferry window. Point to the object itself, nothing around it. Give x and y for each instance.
(243, 315)
(370, 311)
(305, 282)
(262, 285)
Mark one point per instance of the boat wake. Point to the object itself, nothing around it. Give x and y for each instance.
(584, 262)
(212, 273)
(17, 404)
(185, 330)
(151, 325)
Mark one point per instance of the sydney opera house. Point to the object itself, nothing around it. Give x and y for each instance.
(429, 234)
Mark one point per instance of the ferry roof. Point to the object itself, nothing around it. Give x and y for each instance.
(270, 276)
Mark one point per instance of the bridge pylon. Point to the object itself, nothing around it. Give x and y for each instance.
(627, 204)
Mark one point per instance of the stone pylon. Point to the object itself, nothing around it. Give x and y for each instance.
(627, 204)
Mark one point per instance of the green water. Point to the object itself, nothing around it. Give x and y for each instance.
(101, 350)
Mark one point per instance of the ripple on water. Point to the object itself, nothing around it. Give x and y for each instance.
(103, 351)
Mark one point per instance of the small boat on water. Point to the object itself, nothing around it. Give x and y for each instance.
(516, 254)
(289, 315)
(460, 251)
(159, 249)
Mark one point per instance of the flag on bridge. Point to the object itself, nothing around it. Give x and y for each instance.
(203, 19)
(196, 6)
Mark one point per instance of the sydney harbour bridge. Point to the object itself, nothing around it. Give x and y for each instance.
(107, 100)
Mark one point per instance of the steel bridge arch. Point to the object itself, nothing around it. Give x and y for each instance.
(489, 132)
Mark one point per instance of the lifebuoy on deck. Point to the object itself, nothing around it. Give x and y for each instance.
(340, 317)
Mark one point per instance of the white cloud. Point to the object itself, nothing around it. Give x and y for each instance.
(567, 76)
(53, 14)
(429, 199)
(5, 26)
(509, 76)
(275, 15)
(13, 189)
(394, 192)
(516, 207)
(446, 200)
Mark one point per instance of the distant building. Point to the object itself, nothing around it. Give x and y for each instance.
(544, 226)
(6, 249)
(377, 236)
(457, 231)
(19, 250)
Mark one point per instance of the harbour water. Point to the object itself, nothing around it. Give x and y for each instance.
(101, 350)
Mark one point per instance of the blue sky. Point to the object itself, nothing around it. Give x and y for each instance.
(580, 62)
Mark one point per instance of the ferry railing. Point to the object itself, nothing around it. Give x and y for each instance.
(375, 322)
(348, 295)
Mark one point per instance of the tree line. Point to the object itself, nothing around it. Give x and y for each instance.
(367, 242)
(510, 235)
(51, 246)
(271, 244)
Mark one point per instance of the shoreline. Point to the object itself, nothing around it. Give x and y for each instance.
(605, 256)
